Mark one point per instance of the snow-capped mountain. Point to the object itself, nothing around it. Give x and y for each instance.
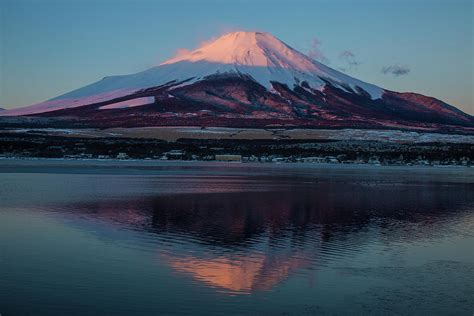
(243, 76)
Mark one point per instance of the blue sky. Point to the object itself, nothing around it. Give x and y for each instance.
(49, 47)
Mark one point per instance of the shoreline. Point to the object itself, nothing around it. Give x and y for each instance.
(132, 162)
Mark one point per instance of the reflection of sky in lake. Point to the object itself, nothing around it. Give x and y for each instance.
(302, 240)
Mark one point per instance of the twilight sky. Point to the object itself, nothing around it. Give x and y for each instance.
(50, 47)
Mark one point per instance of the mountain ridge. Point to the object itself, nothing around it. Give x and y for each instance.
(247, 75)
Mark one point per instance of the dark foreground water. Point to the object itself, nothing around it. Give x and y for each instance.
(113, 238)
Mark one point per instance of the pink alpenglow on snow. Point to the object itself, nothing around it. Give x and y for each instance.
(265, 58)
(66, 103)
(247, 79)
(259, 55)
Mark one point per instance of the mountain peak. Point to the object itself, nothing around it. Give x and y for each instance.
(247, 49)
(259, 56)
(265, 58)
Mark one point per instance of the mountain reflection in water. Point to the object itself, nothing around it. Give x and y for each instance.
(83, 238)
(240, 242)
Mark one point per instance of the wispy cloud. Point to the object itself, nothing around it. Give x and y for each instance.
(316, 53)
(395, 70)
(182, 52)
(349, 60)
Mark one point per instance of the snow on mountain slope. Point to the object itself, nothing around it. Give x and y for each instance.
(265, 58)
(68, 102)
(258, 55)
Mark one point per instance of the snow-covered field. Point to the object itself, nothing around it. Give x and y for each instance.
(173, 133)
(316, 134)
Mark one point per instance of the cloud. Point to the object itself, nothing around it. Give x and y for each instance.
(316, 53)
(349, 58)
(182, 52)
(395, 70)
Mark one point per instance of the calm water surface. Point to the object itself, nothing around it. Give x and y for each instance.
(113, 238)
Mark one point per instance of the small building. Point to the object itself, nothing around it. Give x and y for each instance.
(374, 160)
(174, 154)
(314, 159)
(279, 159)
(122, 156)
(237, 158)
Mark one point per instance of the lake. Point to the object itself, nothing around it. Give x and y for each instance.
(147, 237)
